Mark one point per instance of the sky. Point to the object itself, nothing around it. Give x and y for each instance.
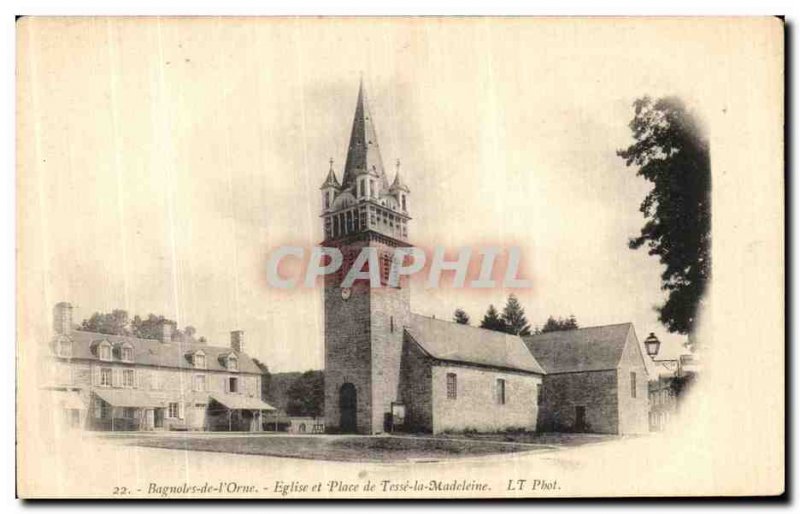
(162, 160)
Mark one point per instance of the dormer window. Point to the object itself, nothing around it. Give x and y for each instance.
(200, 360)
(104, 351)
(126, 352)
(233, 363)
(64, 348)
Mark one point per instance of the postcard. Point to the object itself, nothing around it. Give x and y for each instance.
(400, 258)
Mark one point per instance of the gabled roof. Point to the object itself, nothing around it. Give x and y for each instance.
(155, 353)
(584, 349)
(363, 154)
(448, 341)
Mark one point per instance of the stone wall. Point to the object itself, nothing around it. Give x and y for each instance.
(633, 408)
(415, 387)
(390, 313)
(476, 405)
(595, 391)
(348, 354)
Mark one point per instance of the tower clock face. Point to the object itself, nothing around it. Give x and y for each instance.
(346, 292)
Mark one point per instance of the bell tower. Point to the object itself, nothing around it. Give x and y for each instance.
(363, 325)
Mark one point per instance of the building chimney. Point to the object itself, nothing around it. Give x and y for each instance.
(62, 318)
(237, 340)
(166, 332)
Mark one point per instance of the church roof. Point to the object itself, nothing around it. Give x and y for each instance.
(331, 180)
(584, 349)
(398, 183)
(448, 341)
(155, 353)
(363, 154)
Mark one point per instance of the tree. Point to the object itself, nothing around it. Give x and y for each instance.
(306, 396)
(118, 323)
(461, 317)
(670, 150)
(514, 317)
(150, 327)
(492, 320)
(111, 323)
(555, 325)
(189, 333)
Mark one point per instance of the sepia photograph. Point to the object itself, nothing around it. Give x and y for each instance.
(399, 257)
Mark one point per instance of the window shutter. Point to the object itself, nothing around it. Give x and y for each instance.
(137, 379)
(115, 377)
(181, 409)
(96, 376)
(227, 384)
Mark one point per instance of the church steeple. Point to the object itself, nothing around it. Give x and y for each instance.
(364, 205)
(363, 153)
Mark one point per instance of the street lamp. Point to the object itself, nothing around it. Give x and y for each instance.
(651, 345)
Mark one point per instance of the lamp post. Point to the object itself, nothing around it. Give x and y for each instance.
(651, 346)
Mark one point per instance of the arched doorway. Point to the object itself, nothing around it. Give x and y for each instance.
(347, 408)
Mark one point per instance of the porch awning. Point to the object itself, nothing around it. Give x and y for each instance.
(129, 398)
(237, 402)
(67, 400)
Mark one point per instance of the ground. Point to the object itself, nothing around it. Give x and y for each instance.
(385, 448)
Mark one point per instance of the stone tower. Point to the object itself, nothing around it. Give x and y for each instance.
(363, 325)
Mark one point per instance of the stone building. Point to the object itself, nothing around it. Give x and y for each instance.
(457, 377)
(109, 382)
(596, 380)
(386, 368)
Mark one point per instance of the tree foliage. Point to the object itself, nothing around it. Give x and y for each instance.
(492, 320)
(514, 317)
(555, 325)
(461, 317)
(306, 396)
(671, 151)
(117, 322)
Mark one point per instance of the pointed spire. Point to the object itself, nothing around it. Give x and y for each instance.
(398, 184)
(363, 154)
(331, 180)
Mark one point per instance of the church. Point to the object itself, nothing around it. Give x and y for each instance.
(387, 368)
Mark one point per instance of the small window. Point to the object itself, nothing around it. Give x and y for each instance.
(633, 384)
(199, 382)
(233, 363)
(233, 385)
(452, 386)
(105, 377)
(404, 201)
(64, 348)
(200, 361)
(128, 378)
(391, 324)
(327, 200)
(105, 352)
(127, 354)
(101, 409)
(172, 411)
(501, 391)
